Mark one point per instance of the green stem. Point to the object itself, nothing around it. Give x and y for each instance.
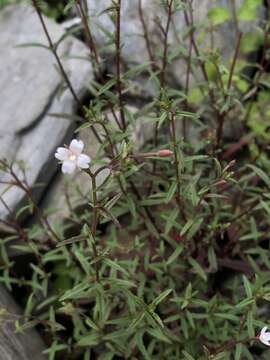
(176, 163)
(95, 222)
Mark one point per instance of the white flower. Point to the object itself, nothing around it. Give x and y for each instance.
(264, 336)
(72, 157)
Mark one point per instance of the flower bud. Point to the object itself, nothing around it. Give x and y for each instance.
(165, 153)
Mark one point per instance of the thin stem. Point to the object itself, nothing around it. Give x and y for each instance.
(176, 163)
(164, 62)
(62, 70)
(95, 222)
(43, 220)
(146, 36)
(88, 35)
(93, 51)
(234, 14)
(187, 87)
(235, 57)
(231, 344)
(165, 46)
(118, 64)
(190, 23)
(53, 49)
(222, 116)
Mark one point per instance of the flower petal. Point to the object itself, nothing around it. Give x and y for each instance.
(265, 336)
(68, 167)
(76, 146)
(264, 341)
(61, 153)
(83, 161)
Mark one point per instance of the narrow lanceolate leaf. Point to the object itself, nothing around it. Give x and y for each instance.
(108, 214)
(91, 339)
(137, 320)
(247, 286)
(250, 324)
(265, 206)
(141, 346)
(158, 334)
(171, 192)
(187, 226)
(75, 292)
(259, 172)
(187, 356)
(113, 201)
(106, 87)
(238, 352)
(70, 117)
(212, 258)
(198, 269)
(161, 297)
(115, 265)
(71, 240)
(245, 303)
(33, 44)
(175, 254)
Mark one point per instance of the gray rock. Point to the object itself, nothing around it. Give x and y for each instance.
(31, 89)
(14, 346)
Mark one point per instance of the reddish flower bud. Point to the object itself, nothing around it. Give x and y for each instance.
(165, 153)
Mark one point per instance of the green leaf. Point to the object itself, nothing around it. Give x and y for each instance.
(212, 258)
(76, 292)
(251, 41)
(247, 286)
(158, 334)
(71, 240)
(248, 11)
(71, 117)
(244, 303)
(115, 265)
(109, 84)
(219, 15)
(92, 324)
(33, 45)
(221, 356)
(90, 340)
(259, 172)
(175, 254)
(265, 206)
(113, 201)
(187, 355)
(227, 316)
(141, 346)
(171, 192)
(161, 297)
(170, 220)
(83, 261)
(137, 320)
(250, 324)
(195, 96)
(109, 215)
(187, 226)
(198, 269)
(238, 352)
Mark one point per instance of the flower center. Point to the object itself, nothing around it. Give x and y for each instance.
(72, 157)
